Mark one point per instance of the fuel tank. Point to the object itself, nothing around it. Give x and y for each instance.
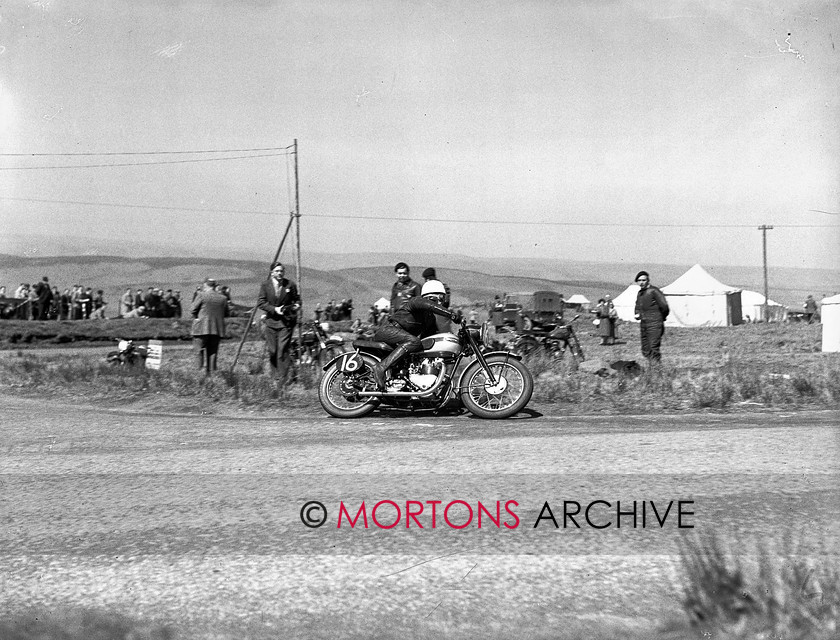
(441, 345)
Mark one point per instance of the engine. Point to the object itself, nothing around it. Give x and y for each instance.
(423, 373)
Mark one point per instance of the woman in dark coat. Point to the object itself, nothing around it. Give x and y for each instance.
(606, 313)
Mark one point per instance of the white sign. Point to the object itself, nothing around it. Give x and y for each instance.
(155, 354)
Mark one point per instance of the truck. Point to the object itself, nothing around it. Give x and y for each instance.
(524, 311)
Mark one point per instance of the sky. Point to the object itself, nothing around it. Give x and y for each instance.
(662, 132)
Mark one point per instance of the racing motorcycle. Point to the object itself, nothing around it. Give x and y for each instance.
(127, 353)
(491, 384)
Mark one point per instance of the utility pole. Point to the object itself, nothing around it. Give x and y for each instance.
(764, 228)
(296, 215)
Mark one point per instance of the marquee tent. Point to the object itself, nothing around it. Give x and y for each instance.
(578, 301)
(625, 303)
(752, 306)
(697, 299)
(382, 304)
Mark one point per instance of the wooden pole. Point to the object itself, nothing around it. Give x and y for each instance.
(763, 228)
(298, 272)
(255, 309)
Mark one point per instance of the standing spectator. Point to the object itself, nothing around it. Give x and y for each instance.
(76, 312)
(176, 299)
(33, 312)
(328, 311)
(651, 310)
(150, 301)
(373, 315)
(349, 308)
(443, 323)
(139, 299)
(55, 304)
(99, 304)
(209, 310)
(316, 314)
(126, 302)
(22, 307)
(87, 302)
(280, 300)
(44, 298)
(64, 310)
(810, 307)
(607, 316)
(404, 288)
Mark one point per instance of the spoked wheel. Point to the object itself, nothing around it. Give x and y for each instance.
(339, 392)
(506, 396)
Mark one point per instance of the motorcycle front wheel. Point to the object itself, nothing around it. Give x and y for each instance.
(338, 392)
(508, 395)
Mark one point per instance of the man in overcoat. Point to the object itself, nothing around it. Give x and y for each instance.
(209, 310)
(280, 301)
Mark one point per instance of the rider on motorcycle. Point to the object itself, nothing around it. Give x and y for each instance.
(413, 320)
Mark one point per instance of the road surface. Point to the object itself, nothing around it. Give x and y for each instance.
(197, 520)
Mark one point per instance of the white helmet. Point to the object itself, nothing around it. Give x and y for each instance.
(433, 286)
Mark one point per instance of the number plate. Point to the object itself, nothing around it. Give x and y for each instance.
(351, 363)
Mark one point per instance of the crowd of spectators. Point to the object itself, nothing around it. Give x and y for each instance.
(334, 311)
(42, 301)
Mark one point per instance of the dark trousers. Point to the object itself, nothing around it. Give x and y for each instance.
(207, 350)
(651, 333)
(279, 344)
(395, 335)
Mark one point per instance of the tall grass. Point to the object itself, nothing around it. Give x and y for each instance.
(768, 594)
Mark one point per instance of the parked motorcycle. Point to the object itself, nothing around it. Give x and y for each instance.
(490, 384)
(316, 346)
(556, 341)
(127, 353)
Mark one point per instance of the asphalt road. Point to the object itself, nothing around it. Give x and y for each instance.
(197, 519)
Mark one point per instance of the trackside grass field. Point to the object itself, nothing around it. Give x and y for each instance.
(749, 367)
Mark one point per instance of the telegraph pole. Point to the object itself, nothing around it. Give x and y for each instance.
(764, 228)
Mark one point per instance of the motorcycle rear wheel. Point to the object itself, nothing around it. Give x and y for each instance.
(335, 391)
(508, 396)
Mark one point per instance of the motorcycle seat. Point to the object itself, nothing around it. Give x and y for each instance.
(372, 344)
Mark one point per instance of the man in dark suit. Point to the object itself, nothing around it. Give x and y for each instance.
(209, 310)
(280, 301)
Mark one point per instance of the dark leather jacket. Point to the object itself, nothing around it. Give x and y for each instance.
(651, 305)
(417, 316)
(402, 291)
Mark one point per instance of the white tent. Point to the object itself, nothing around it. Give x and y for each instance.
(752, 307)
(578, 301)
(830, 312)
(625, 303)
(382, 304)
(697, 299)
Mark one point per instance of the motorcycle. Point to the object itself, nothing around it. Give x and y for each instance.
(127, 353)
(491, 384)
(316, 347)
(556, 340)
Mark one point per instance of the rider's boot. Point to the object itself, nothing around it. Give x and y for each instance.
(381, 367)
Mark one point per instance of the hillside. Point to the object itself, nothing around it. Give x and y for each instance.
(367, 277)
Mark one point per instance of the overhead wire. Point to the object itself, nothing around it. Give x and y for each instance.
(135, 164)
(141, 153)
(555, 223)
